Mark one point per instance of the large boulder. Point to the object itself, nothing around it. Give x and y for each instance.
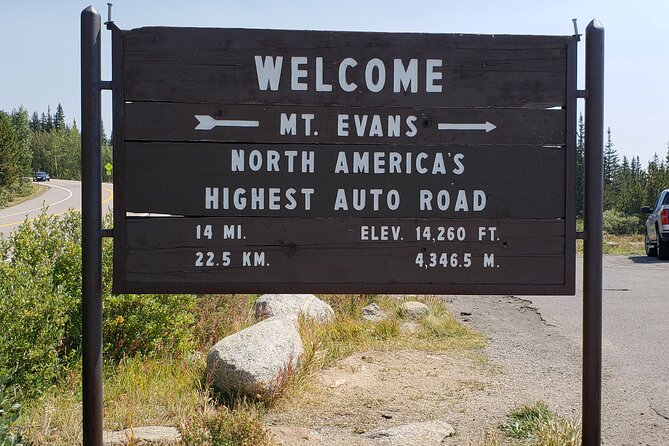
(269, 305)
(256, 360)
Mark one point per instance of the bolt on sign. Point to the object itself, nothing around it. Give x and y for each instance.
(266, 160)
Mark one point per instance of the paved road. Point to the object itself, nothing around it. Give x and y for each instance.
(61, 196)
(635, 345)
(542, 354)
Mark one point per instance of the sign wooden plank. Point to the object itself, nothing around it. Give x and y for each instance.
(238, 66)
(159, 121)
(226, 251)
(466, 182)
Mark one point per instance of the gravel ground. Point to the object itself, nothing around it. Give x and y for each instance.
(529, 359)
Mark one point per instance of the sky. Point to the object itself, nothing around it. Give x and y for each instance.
(39, 44)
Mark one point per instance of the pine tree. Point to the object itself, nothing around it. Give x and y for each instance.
(49, 119)
(611, 169)
(10, 171)
(34, 122)
(24, 137)
(59, 119)
(611, 166)
(43, 123)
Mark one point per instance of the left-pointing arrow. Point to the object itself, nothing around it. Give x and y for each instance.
(487, 126)
(206, 122)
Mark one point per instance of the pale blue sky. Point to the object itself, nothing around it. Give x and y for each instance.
(39, 44)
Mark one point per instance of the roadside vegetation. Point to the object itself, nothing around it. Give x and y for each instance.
(622, 235)
(155, 346)
(534, 425)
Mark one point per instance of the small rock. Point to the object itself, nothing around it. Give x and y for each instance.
(373, 313)
(269, 305)
(387, 416)
(158, 434)
(429, 433)
(338, 383)
(415, 310)
(464, 313)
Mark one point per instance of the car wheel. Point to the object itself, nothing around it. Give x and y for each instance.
(651, 249)
(662, 248)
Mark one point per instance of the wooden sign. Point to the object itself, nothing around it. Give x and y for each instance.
(309, 161)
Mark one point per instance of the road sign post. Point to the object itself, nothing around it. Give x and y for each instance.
(91, 220)
(592, 248)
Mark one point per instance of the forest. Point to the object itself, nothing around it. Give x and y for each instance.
(40, 141)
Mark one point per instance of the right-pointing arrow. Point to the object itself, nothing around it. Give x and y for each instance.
(488, 126)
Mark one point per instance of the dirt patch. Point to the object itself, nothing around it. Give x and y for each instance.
(527, 361)
(373, 390)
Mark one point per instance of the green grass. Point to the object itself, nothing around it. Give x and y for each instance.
(621, 245)
(23, 191)
(628, 245)
(536, 425)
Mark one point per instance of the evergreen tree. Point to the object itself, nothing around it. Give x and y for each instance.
(59, 119)
(24, 137)
(10, 170)
(610, 160)
(611, 169)
(35, 123)
(49, 119)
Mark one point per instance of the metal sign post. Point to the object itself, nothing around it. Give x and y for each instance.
(91, 220)
(592, 247)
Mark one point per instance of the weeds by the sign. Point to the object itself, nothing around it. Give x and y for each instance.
(537, 425)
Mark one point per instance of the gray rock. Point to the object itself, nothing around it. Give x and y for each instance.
(373, 313)
(154, 434)
(429, 433)
(415, 310)
(269, 305)
(257, 359)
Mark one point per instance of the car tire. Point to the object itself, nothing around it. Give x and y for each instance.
(651, 250)
(662, 248)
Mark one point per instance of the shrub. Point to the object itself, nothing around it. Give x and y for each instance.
(40, 306)
(9, 412)
(617, 223)
(220, 426)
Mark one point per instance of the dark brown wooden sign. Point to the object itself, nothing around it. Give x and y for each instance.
(262, 160)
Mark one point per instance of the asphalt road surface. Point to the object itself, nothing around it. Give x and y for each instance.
(61, 196)
(635, 347)
(537, 342)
